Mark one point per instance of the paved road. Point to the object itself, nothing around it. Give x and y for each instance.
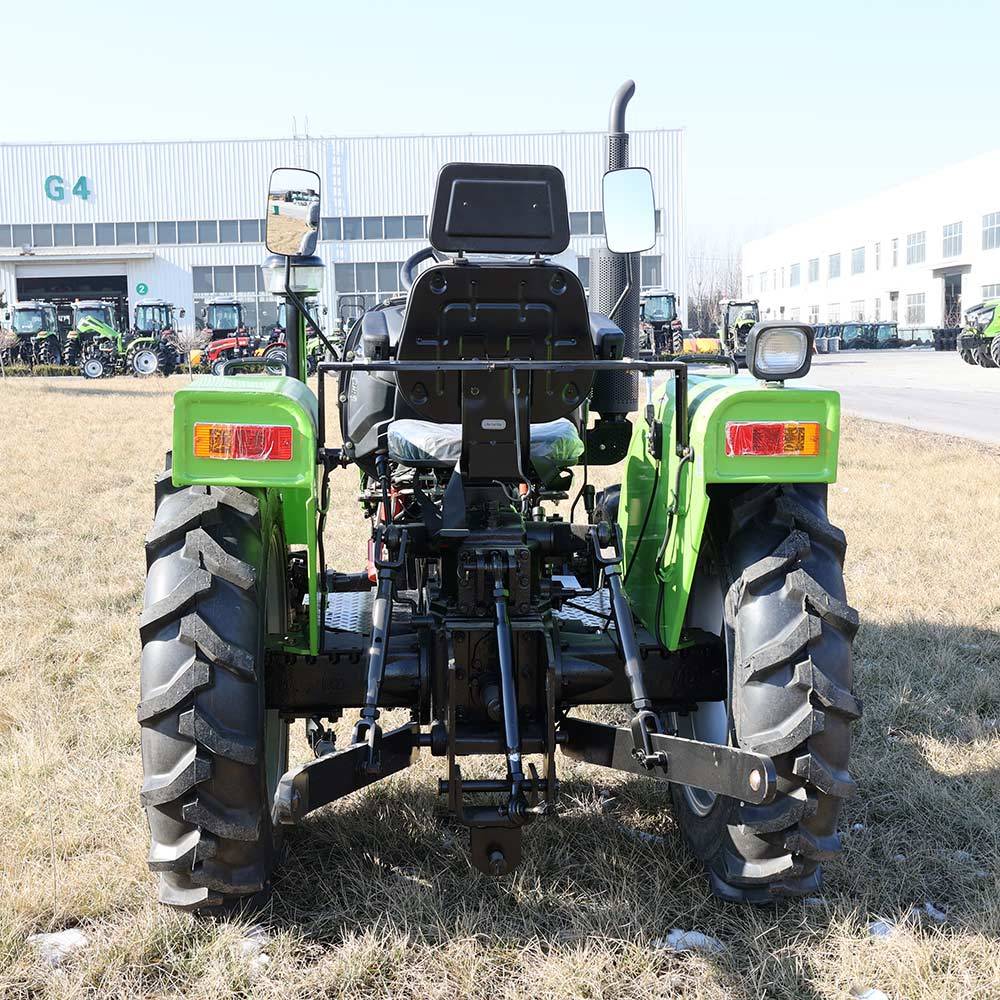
(929, 390)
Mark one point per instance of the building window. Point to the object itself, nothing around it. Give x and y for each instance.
(365, 277)
(229, 231)
(916, 247)
(579, 223)
(41, 236)
(782, 277)
(62, 234)
(915, 308)
(763, 281)
(895, 252)
(834, 269)
(951, 245)
(878, 256)
(596, 223)
(246, 277)
(373, 227)
(991, 291)
(652, 271)
(814, 314)
(793, 275)
(208, 231)
(343, 277)
(125, 234)
(187, 232)
(393, 226)
(878, 309)
(583, 270)
(833, 312)
(814, 269)
(858, 310)
(6, 237)
(105, 234)
(166, 233)
(991, 231)
(795, 315)
(352, 228)
(329, 229)
(388, 276)
(202, 280)
(144, 233)
(83, 234)
(749, 284)
(858, 260)
(223, 278)
(415, 225)
(249, 230)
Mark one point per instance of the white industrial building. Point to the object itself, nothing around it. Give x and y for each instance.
(918, 254)
(181, 221)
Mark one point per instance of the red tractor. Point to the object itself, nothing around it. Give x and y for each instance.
(231, 338)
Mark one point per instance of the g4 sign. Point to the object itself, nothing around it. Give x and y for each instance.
(55, 188)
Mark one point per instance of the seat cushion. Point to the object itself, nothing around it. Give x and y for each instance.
(555, 445)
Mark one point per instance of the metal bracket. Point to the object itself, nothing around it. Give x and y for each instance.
(739, 774)
(337, 774)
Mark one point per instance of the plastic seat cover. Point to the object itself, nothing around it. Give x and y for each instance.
(555, 445)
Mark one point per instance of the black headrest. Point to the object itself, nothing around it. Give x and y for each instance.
(516, 208)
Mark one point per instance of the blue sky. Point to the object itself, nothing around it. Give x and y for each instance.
(790, 109)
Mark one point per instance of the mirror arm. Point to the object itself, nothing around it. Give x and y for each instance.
(625, 290)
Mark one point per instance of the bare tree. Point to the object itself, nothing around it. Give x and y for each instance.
(712, 277)
(187, 340)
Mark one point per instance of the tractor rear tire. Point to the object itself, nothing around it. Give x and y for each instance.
(212, 755)
(995, 351)
(984, 357)
(789, 632)
(675, 342)
(967, 356)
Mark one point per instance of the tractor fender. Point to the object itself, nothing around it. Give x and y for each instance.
(672, 496)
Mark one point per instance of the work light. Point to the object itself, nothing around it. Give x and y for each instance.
(778, 350)
(306, 274)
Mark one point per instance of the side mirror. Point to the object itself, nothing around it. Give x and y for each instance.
(292, 221)
(181, 314)
(629, 212)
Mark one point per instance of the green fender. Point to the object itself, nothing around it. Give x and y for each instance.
(676, 493)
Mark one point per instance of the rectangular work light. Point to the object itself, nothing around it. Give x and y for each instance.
(249, 442)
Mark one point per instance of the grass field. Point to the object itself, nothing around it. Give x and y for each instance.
(376, 898)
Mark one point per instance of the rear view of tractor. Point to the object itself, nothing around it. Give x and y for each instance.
(979, 341)
(659, 325)
(225, 323)
(704, 593)
(737, 320)
(151, 349)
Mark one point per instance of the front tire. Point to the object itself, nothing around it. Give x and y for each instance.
(984, 357)
(789, 633)
(212, 754)
(995, 351)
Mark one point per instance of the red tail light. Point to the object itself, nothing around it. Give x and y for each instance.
(250, 442)
(784, 438)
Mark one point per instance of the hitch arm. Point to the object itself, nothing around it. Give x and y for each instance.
(739, 774)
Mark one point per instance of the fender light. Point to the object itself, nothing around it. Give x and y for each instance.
(250, 442)
(785, 438)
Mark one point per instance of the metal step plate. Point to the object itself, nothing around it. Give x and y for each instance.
(591, 611)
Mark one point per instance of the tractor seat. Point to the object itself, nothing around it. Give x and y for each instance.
(555, 445)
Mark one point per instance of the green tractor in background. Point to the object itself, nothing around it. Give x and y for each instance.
(151, 349)
(705, 592)
(737, 319)
(36, 328)
(979, 341)
(94, 341)
(660, 328)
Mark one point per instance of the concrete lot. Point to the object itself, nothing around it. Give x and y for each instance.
(929, 390)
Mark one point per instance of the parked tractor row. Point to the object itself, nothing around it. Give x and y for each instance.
(979, 341)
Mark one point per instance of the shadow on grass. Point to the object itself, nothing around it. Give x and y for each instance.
(621, 877)
(99, 388)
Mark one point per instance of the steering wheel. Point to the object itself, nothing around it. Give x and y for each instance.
(408, 272)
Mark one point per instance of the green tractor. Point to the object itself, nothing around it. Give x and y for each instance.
(737, 320)
(979, 343)
(151, 349)
(94, 341)
(660, 328)
(705, 592)
(36, 327)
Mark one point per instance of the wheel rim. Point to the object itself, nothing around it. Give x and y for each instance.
(93, 368)
(280, 359)
(708, 724)
(145, 362)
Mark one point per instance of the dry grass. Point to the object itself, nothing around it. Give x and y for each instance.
(376, 898)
